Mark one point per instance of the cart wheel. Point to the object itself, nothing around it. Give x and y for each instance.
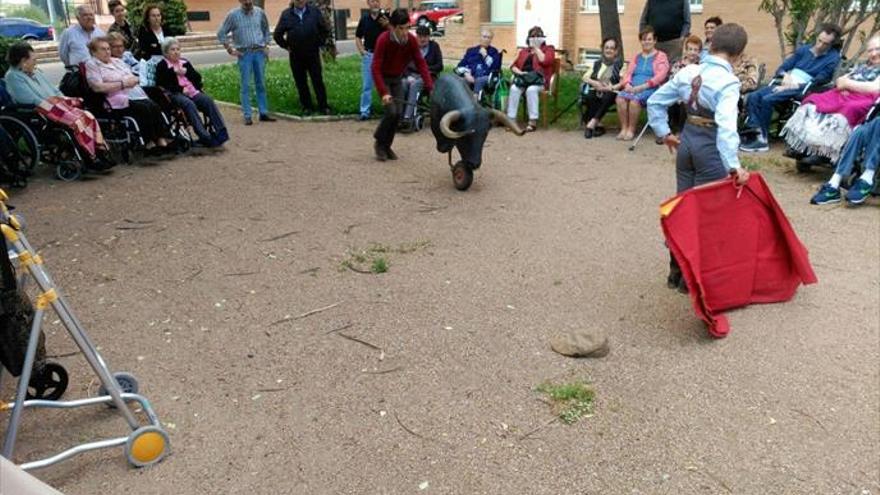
(803, 167)
(462, 176)
(127, 382)
(48, 382)
(419, 122)
(68, 171)
(146, 446)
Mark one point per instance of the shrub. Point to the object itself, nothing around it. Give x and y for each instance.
(4, 47)
(173, 15)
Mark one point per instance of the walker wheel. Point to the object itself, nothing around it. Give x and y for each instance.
(146, 446)
(462, 176)
(126, 381)
(68, 171)
(48, 382)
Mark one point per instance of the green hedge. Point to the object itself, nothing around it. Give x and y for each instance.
(173, 15)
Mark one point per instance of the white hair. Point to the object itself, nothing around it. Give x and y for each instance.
(168, 43)
(81, 9)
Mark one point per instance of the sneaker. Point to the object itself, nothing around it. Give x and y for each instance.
(381, 154)
(759, 145)
(588, 133)
(364, 116)
(826, 195)
(248, 121)
(266, 118)
(390, 153)
(858, 193)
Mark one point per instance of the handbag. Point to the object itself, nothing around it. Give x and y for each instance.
(16, 318)
(71, 84)
(527, 79)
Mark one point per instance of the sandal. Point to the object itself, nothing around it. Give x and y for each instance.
(531, 128)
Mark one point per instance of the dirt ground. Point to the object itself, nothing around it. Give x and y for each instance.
(182, 271)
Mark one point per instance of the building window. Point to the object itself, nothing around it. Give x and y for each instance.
(856, 6)
(696, 6)
(502, 12)
(592, 6)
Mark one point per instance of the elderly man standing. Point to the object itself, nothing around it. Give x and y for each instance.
(480, 62)
(73, 47)
(671, 20)
(301, 31)
(371, 25)
(250, 44)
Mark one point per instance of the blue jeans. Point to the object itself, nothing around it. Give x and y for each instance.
(760, 105)
(253, 62)
(367, 85)
(861, 140)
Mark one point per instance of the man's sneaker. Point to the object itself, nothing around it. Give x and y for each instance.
(381, 154)
(826, 195)
(266, 118)
(364, 116)
(248, 121)
(390, 153)
(759, 145)
(858, 193)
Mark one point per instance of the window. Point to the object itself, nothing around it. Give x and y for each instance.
(696, 6)
(856, 6)
(502, 11)
(593, 6)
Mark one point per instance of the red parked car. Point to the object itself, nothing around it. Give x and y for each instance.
(431, 12)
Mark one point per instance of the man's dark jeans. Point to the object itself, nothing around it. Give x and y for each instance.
(388, 125)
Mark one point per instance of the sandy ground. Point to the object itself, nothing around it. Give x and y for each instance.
(180, 271)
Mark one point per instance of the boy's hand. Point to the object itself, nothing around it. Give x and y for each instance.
(671, 141)
(741, 175)
(387, 99)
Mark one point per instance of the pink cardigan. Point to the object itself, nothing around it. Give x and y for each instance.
(660, 65)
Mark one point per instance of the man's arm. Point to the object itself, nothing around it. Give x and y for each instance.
(661, 100)
(264, 27)
(826, 71)
(436, 64)
(496, 60)
(686, 22)
(281, 30)
(376, 67)
(64, 47)
(223, 31)
(416, 54)
(789, 63)
(727, 137)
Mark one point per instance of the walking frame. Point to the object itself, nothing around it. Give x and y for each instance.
(145, 444)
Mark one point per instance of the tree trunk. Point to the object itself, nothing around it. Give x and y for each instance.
(609, 20)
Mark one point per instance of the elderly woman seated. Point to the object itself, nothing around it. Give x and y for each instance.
(824, 121)
(113, 78)
(600, 97)
(117, 50)
(27, 85)
(645, 73)
(177, 76)
(532, 70)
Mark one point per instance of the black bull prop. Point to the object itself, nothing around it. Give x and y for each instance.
(459, 121)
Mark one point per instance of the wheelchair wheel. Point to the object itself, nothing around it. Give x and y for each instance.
(462, 176)
(68, 171)
(418, 122)
(49, 382)
(25, 142)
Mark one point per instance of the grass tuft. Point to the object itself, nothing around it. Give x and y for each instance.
(571, 401)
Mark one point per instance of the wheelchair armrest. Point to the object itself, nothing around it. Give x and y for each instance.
(19, 108)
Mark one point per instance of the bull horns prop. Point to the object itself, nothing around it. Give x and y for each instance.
(502, 118)
(446, 122)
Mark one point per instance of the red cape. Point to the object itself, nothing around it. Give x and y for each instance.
(735, 247)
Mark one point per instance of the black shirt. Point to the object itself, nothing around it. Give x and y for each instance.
(369, 29)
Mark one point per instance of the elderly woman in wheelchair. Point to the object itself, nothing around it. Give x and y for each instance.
(68, 134)
(179, 78)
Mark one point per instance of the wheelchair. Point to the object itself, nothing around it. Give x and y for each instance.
(37, 139)
(786, 109)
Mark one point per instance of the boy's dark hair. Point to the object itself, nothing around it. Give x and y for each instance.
(112, 4)
(832, 29)
(714, 20)
(17, 52)
(423, 31)
(730, 39)
(399, 17)
(645, 32)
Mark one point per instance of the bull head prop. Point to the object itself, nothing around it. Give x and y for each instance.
(459, 121)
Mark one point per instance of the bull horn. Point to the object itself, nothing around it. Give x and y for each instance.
(499, 116)
(447, 120)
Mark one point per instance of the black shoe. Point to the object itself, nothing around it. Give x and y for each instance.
(381, 154)
(307, 112)
(390, 154)
(588, 133)
(362, 117)
(248, 121)
(598, 131)
(326, 111)
(266, 118)
(682, 286)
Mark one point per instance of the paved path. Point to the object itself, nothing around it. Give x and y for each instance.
(55, 70)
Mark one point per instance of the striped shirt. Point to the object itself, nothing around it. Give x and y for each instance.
(249, 30)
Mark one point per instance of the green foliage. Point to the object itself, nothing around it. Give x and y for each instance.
(380, 265)
(572, 401)
(5, 43)
(30, 12)
(173, 15)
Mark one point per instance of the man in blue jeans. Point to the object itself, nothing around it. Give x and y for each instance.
(371, 25)
(863, 139)
(250, 44)
(808, 64)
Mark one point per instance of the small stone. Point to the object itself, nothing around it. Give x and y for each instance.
(581, 343)
(423, 485)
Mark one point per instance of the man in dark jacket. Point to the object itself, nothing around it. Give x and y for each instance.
(302, 32)
(671, 20)
(412, 80)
